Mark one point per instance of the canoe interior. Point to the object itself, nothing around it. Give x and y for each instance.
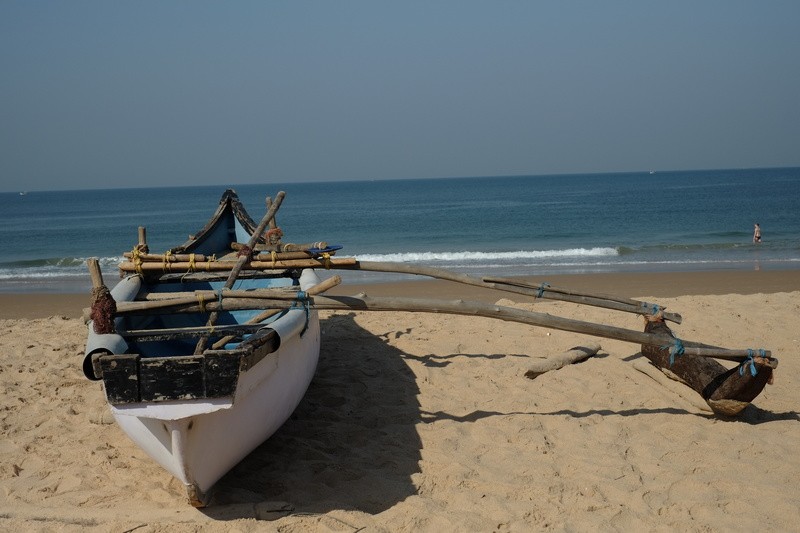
(178, 347)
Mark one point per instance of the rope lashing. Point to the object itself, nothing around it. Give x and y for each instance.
(245, 251)
(676, 350)
(327, 258)
(274, 259)
(167, 257)
(751, 362)
(103, 309)
(137, 260)
(201, 301)
(304, 301)
(542, 287)
(192, 264)
(654, 309)
(219, 299)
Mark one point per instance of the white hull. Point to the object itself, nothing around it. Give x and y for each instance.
(198, 441)
(199, 414)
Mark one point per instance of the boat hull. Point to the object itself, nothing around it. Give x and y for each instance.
(198, 441)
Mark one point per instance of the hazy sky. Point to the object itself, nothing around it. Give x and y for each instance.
(145, 93)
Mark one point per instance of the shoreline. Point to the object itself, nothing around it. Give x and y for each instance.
(29, 305)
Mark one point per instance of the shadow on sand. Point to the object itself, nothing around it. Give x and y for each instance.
(351, 444)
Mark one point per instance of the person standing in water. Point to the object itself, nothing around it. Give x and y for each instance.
(757, 234)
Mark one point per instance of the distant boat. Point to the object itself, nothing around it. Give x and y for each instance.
(652, 172)
(23, 193)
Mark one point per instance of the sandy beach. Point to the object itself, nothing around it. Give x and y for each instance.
(427, 423)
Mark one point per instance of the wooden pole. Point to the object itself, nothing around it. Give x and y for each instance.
(349, 263)
(319, 288)
(171, 258)
(460, 307)
(142, 246)
(513, 286)
(94, 272)
(222, 266)
(245, 257)
(287, 247)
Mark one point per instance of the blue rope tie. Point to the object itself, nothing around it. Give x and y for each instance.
(541, 289)
(656, 309)
(304, 302)
(751, 362)
(677, 349)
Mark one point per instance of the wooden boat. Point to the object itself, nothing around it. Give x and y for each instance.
(198, 414)
(202, 361)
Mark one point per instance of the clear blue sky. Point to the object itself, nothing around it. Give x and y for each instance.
(145, 93)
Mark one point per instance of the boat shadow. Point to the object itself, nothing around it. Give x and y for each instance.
(351, 444)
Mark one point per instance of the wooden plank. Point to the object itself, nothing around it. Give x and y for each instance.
(221, 372)
(120, 377)
(171, 378)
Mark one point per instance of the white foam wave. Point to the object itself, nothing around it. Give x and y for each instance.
(488, 256)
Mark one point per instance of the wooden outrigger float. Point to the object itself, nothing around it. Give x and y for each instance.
(205, 350)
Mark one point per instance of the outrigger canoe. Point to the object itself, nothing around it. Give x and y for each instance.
(199, 414)
(206, 350)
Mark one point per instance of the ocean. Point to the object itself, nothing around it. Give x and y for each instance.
(495, 226)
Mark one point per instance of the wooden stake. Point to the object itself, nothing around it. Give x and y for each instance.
(94, 272)
(143, 239)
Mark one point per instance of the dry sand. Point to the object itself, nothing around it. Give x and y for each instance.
(427, 423)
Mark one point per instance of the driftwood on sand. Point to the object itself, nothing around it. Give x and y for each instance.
(574, 355)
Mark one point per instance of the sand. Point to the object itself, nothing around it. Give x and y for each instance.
(427, 423)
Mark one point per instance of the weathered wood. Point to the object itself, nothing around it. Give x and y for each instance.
(120, 377)
(165, 334)
(95, 273)
(517, 287)
(164, 303)
(282, 247)
(170, 378)
(727, 391)
(269, 257)
(222, 266)
(273, 292)
(221, 373)
(319, 288)
(245, 257)
(460, 307)
(574, 355)
(169, 258)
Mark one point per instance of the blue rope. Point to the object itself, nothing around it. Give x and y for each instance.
(751, 362)
(677, 349)
(541, 289)
(303, 299)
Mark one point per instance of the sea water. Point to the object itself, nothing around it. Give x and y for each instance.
(493, 226)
